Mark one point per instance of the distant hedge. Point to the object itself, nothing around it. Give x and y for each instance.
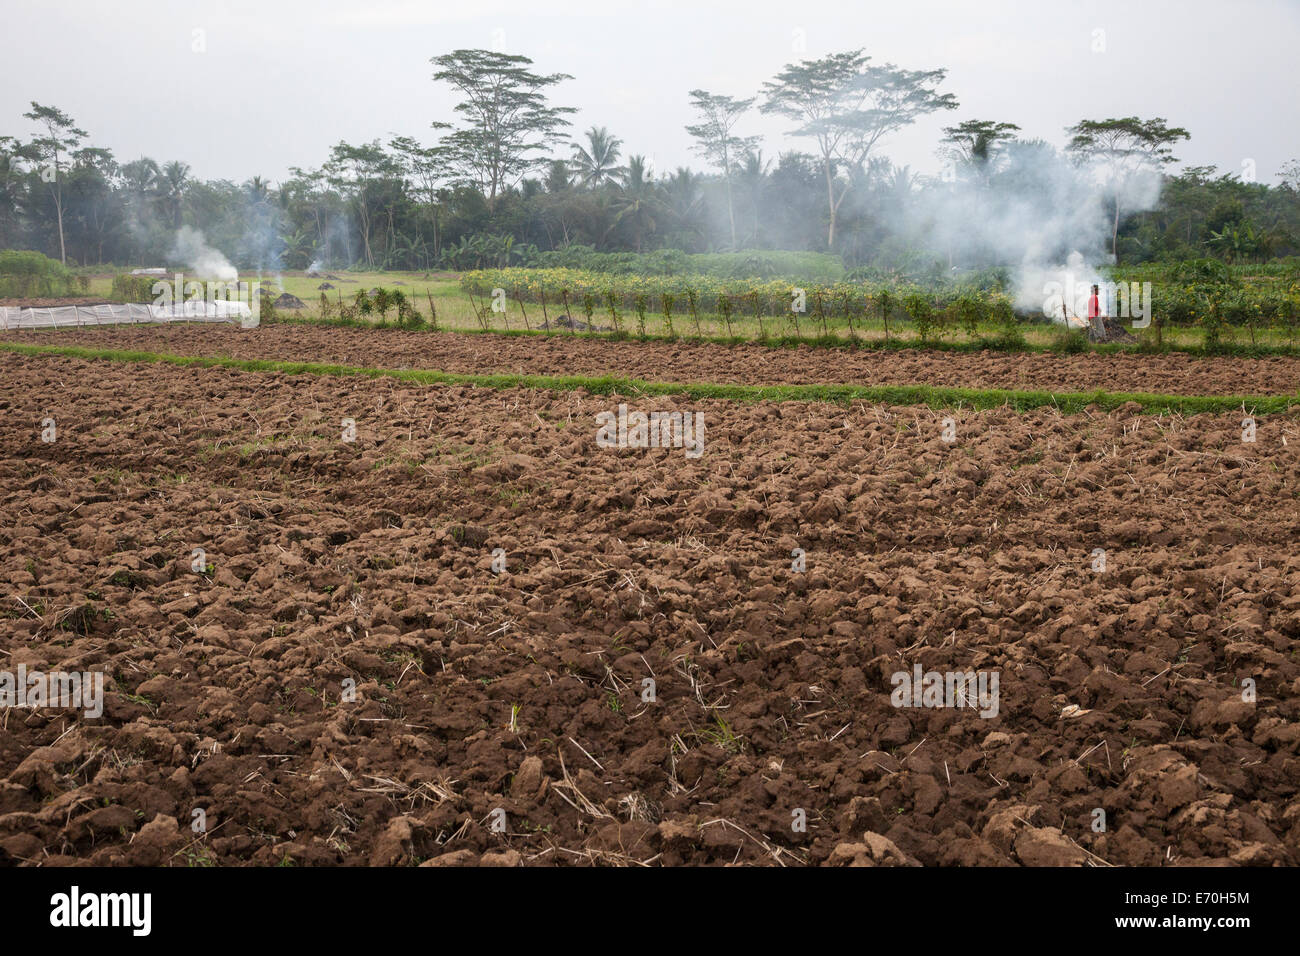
(27, 273)
(747, 264)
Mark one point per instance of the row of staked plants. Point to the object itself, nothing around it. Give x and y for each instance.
(1212, 305)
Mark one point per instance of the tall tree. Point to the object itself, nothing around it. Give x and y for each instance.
(509, 124)
(10, 192)
(357, 172)
(62, 137)
(976, 145)
(847, 105)
(140, 176)
(716, 143)
(1123, 150)
(682, 199)
(93, 209)
(425, 165)
(175, 183)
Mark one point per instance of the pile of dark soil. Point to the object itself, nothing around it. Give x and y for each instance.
(568, 322)
(1112, 331)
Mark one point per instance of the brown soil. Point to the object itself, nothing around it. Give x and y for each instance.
(561, 354)
(371, 562)
(47, 303)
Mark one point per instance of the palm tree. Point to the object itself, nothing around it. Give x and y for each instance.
(683, 201)
(682, 192)
(299, 249)
(751, 180)
(637, 203)
(141, 176)
(258, 189)
(173, 185)
(598, 163)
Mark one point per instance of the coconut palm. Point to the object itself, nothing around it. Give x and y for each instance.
(637, 204)
(682, 195)
(141, 176)
(258, 190)
(173, 185)
(597, 164)
(751, 182)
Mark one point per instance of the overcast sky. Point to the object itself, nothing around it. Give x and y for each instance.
(263, 86)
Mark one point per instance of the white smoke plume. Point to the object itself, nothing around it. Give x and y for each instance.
(192, 249)
(1034, 211)
(1061, 292)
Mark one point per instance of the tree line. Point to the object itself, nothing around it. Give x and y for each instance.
(507, 178)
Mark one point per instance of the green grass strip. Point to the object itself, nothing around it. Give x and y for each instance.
(932, 395)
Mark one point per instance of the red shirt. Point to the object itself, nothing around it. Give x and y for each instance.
(1094, 307)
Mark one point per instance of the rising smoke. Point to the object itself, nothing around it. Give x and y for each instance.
(1043, 216)
(191, 248)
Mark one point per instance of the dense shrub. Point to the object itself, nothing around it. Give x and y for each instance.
(129, 288)
(25, 273)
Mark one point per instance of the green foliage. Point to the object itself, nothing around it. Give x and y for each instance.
(920, 309)
(970, 311)
(1201, 271)
(25, 273)
(1252, 306)
(1009, 335)
(1070, 341)
(128, 288)
(747, 264)
(1211, 316)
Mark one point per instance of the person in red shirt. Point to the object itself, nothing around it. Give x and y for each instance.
(1094, 312)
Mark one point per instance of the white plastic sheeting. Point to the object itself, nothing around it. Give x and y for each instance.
(69, 316)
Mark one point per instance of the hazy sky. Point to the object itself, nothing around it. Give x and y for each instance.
(272, 84)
